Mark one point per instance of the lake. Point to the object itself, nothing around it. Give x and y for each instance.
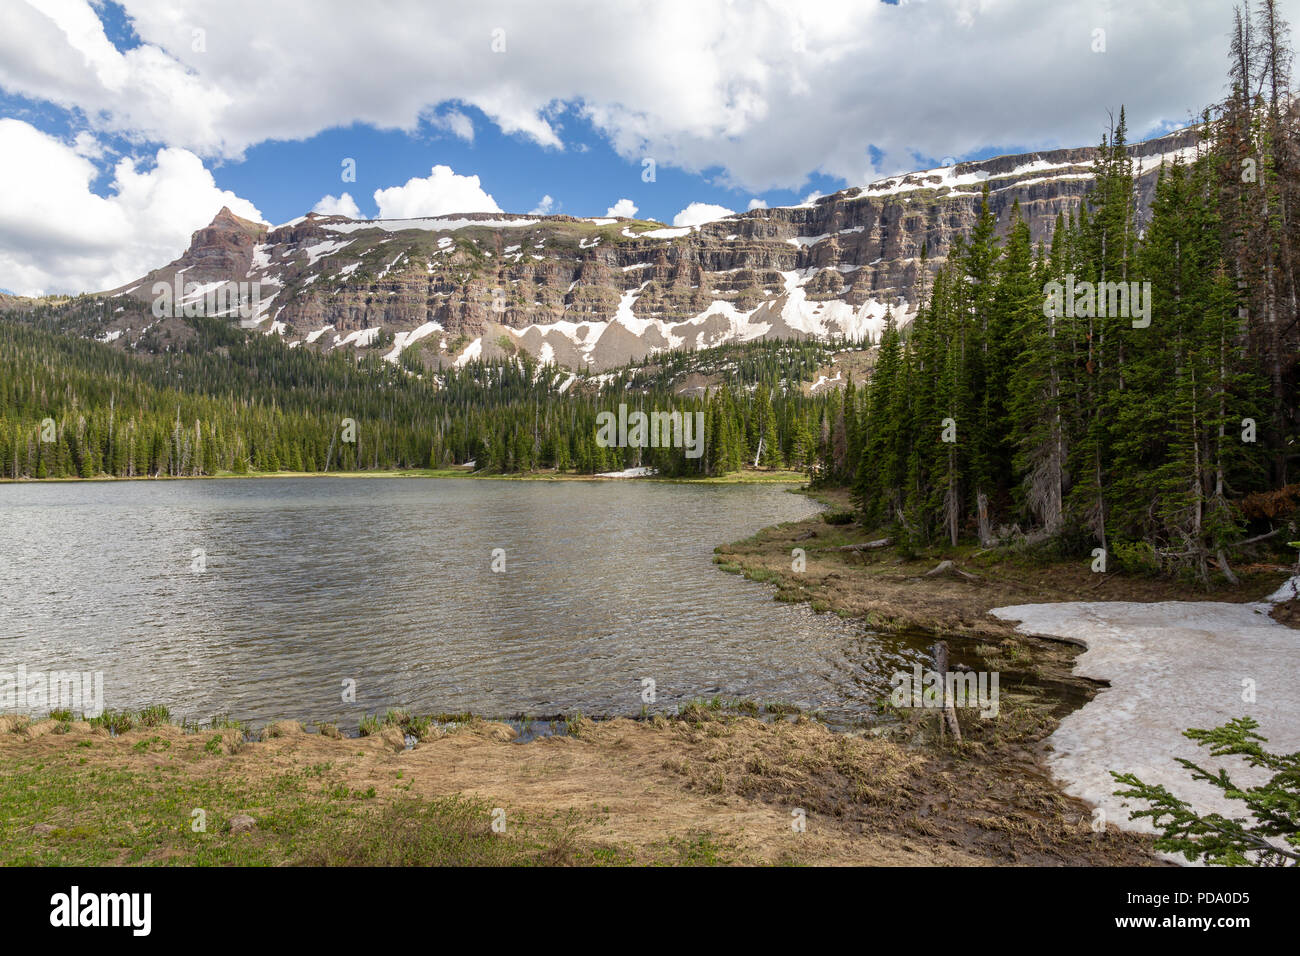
(303, 584)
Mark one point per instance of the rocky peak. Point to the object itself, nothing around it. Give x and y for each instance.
(224, 247)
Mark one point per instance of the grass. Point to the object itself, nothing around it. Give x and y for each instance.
(80, 806)
(108, 816)
(88, 799)
(702, 710)
(744, 477)
(155, 715)
(451, 831)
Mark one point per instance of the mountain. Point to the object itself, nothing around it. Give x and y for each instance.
(596, 293)
(9, 301)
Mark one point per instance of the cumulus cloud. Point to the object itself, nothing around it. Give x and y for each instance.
(439, 193)
(698, 213)
(624, 208)
(343, 205)
(58, 51)
(767, 91)
(57, 236)
(757, 203)
(758, 94)
(544, 207)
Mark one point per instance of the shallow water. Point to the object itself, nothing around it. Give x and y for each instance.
(312, 582)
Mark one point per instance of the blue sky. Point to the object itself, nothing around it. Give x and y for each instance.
(125, 126)
(584, 179)
(286, 179)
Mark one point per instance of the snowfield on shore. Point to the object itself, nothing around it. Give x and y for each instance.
(1171, 666)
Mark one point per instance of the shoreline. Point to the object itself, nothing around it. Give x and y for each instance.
(892, 591)
(714, 784)
(706, 787)
(744, 477)
(1114, 637)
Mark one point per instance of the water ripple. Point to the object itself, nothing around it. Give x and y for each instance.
(388, 582)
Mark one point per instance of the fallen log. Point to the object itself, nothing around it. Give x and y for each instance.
(866, 545)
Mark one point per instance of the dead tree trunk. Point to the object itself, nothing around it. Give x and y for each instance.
(949, 715)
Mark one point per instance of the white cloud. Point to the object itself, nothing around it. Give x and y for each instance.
(624, 207)
(765, 90)
(698, 213)
(58, 51)
(544, 207)
(757, 203)
(85, 144)
(439, 193)
(456, 123)
(343, 205)
(56, 235)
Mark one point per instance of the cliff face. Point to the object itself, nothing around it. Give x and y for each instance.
(596, 293)
(219, 252)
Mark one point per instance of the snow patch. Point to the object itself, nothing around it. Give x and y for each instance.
(403, 340)
(360, 338)
(629, 473)
(1171, 665)
(327, 248)
(472, 351)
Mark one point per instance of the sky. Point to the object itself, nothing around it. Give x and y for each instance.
(125, 126)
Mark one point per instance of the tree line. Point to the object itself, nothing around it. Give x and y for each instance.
(219, 401)
(1127, 385)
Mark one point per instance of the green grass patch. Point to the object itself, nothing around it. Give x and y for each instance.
(60, 812)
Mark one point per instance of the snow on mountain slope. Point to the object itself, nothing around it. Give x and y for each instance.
(591, 294)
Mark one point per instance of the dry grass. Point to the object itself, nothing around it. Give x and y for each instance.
(713, 787)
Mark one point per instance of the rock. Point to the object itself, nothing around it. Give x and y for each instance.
(242, 823)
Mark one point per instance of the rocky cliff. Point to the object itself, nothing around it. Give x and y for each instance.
(595, 293)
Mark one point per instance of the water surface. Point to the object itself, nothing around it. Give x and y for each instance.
(389, 583)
